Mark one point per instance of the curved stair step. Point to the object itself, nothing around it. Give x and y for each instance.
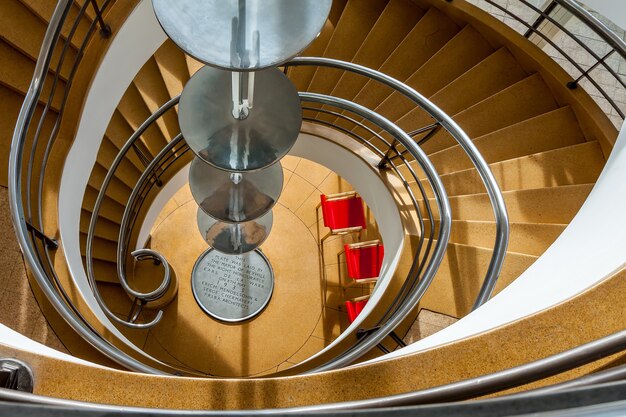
(105, 229)
(552, 130)
(461, 274)
(44, 10)
(154, 92)
(525, 99)
(396, 20)
(135, 111)
(466, 49)
(527, 238)
(16, 72)
(109, 209)
(493, 74)
(103, 249)
(576, 164)
(173, 67)
(355, 23)
(302, 76)
(25, 30)
(127, 172)
(542, 205)
(118, 132)
(116, 190)
(193, 65)
(429, 35)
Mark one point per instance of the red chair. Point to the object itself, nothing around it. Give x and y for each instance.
(355, 306)
(342, 213)
(364, 260)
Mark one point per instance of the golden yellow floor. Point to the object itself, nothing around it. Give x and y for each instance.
(304, 313)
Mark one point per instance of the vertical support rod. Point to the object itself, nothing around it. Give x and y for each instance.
(540, 19)
(573, 84)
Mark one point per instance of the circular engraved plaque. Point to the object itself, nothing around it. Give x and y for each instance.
(232, 288)
(261, 139)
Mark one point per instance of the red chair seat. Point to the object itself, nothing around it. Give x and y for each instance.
(364, 260)
(354, 308)
(343, 213)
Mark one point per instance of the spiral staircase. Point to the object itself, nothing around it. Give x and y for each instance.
(544, 143)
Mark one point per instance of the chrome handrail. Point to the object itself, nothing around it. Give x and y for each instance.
(121, 250)
(419, 263)
(365, 344)
(16, 198)
(489, 181)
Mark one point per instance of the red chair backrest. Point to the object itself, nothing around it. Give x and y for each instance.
(343, 213)
(364, 262)
(354, 308)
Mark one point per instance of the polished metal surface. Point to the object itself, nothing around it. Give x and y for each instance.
(242, 35)
(234, 238)
(232, 288)
(235, 197)
(265, 135)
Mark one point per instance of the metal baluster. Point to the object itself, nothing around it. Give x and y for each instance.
(573, 84)
(540, 19)
(146, 161)
(105, 30)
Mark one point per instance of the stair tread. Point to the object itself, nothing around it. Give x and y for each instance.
(554, 129)
(390, 29)
(355, 23)
(498, 71)
(173, 67)
(118, 132)
(45, 9)
(126, 172)
(521, 101)
(135, 111)
(152, 89)
(302, 76)
(24, 30)
(109, 209)
(16, 73)
(461, 275)
(466, 49)
(542, 205)
(575, 164)
(525, 238)
(428, 36)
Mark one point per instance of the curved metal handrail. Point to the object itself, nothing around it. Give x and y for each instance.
(366, 343)
(491, 186)
(121, 252)
(16, 198)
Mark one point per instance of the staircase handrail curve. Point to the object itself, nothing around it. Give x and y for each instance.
(27, 246)
(367, 342)
(617, 44)
(413, 277)
(379, 153)
(121, 264)
(491, 186)
(419, 263)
